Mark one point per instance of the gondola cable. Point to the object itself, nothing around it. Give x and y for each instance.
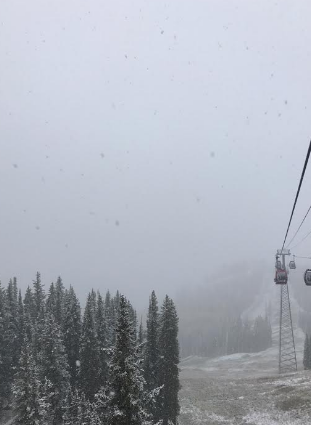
(297, 194)
(299, 227)
(303, 239)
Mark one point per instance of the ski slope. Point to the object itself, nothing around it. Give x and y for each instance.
(245, 388)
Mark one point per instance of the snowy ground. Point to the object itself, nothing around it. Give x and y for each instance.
(246, 388)
(208, 399)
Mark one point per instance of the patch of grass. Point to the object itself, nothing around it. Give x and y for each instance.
(284, 389)
(293, 403)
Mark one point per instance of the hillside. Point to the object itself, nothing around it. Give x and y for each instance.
(245, 388)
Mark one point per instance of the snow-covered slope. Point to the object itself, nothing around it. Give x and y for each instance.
(254, 364)
(244, 388)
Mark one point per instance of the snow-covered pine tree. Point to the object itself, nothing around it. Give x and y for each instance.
(53, 366)
(31, 400)
(126, 383)
(141, 340)
(73, 412)
(110, 318)
(152, 353)
(28, 312)
(89, 371)
(11, 329)
(101, 329)
(59, 307)
(38, 314)
(72, 334)
(306, 352)
(133, 317)
(4, 377)
(38, 297)
(168, 372)
(80, 411)
(51, 300)
(116, 302)
(20, 322)
(93, 301)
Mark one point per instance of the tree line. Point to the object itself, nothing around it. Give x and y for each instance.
(61, 367)
(307, 352)
(229, 337)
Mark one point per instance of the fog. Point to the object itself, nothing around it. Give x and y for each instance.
(146, 144)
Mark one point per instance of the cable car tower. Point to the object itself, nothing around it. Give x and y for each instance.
(287, 351)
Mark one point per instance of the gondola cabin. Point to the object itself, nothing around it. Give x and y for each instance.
(281, 277)
(278, 264)
(292, 265)
(308, 277)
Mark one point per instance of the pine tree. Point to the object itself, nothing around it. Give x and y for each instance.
(110, 319)
(11, 329)
(4, 360)
(38, 297)
(116, 303)
(28, 313)
(73, 410)
(54, 367)
(30, 393)
(126, 381)
(38, 314)
(51, 300)
(89, 375)
(168, 408)
(80, 411)
(93, 301)
(101, 329)
(72, 334)
(152, 354)
(20, 322)
(133, 317)
(141, 334)
(307, 353)
(59, 307)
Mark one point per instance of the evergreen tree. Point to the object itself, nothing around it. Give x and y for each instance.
(59, 307)
(93, 302)
(168, 408)
(31, 399)
(73, 413)
(133, 317)
(307, 353)
(152, 354)
(54, 367)
(28, 313)
(72, 333)
(89, 374)
(116, 303)
(126, 403)
(38, 297)
(38, 314)
(80, 411)
(110, 319)
(4, 360)
(20, 323)
(11, 329)
(101, 329)
(141, 336)
(51, 300)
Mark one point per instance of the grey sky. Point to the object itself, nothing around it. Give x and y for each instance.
(145, 143)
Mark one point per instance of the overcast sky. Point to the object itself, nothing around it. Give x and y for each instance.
(145, 143)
